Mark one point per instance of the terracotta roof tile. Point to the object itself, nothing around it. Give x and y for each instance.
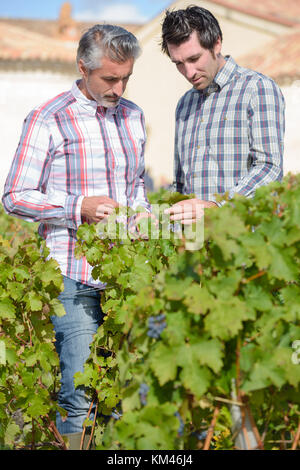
(49, 27)
(32, 44)
(21, 49)
(19, 43)
(279, 59)
(280, 11)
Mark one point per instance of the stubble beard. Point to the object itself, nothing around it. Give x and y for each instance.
(102, 101)
(106, 101)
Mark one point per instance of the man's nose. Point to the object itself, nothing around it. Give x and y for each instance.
(118, 88)
(189, 71)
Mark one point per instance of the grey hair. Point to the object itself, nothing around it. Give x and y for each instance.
(111, 41)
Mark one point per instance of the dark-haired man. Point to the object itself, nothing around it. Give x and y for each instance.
(229, 126)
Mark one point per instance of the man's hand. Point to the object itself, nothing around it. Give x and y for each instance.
(189, 210)
(96, 208)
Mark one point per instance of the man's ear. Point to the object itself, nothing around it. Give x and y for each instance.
(218, 46)
(82, 68)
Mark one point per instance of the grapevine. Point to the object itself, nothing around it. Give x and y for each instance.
(191, 338)
(203, 327)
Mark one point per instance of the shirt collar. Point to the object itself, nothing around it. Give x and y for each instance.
(227, 72)
(91, 106)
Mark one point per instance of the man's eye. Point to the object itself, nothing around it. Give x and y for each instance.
(110, 79)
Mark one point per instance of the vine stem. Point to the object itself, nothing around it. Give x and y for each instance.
(211, 428)
(56, 433)
(231, 402)
(254, 427)
(30, 328)
(295, 443)
(93, 426)
(267, 421)
(255, 276)
(33, 435)
(244, 429)
(249, 340)
(21, 339)
(238, 369)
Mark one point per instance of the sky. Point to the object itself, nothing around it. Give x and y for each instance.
(125, 11)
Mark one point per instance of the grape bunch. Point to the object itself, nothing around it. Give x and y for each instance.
(181, 424)
(143, 391)
(115, 414)
(201, 435)
(156, 325)
(17, 416)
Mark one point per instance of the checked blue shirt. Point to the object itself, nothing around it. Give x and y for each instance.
(229, 137)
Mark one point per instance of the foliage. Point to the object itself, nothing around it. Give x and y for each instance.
(187, 335)
(227, 315)
(29, 286)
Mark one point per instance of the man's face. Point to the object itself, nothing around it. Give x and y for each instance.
(106, 84)
(198, 65)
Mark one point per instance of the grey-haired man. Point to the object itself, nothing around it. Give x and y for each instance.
(80, 156)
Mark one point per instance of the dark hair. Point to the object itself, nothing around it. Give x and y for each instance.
(179, 25)
(105, 39)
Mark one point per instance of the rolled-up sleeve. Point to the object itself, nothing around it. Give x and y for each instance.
(25, 191)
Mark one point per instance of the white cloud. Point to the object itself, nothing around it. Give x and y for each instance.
(116, 13)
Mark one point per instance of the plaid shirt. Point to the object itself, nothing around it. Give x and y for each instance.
(229, 137)
(71, 148)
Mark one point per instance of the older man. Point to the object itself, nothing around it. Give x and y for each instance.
(80, 156)
(229, 126)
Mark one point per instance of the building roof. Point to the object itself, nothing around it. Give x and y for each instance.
(49, 27)
(279, 59)
(36, 44)
(286, 12)
(21, 48)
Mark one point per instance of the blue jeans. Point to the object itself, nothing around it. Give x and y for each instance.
(74, 333)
